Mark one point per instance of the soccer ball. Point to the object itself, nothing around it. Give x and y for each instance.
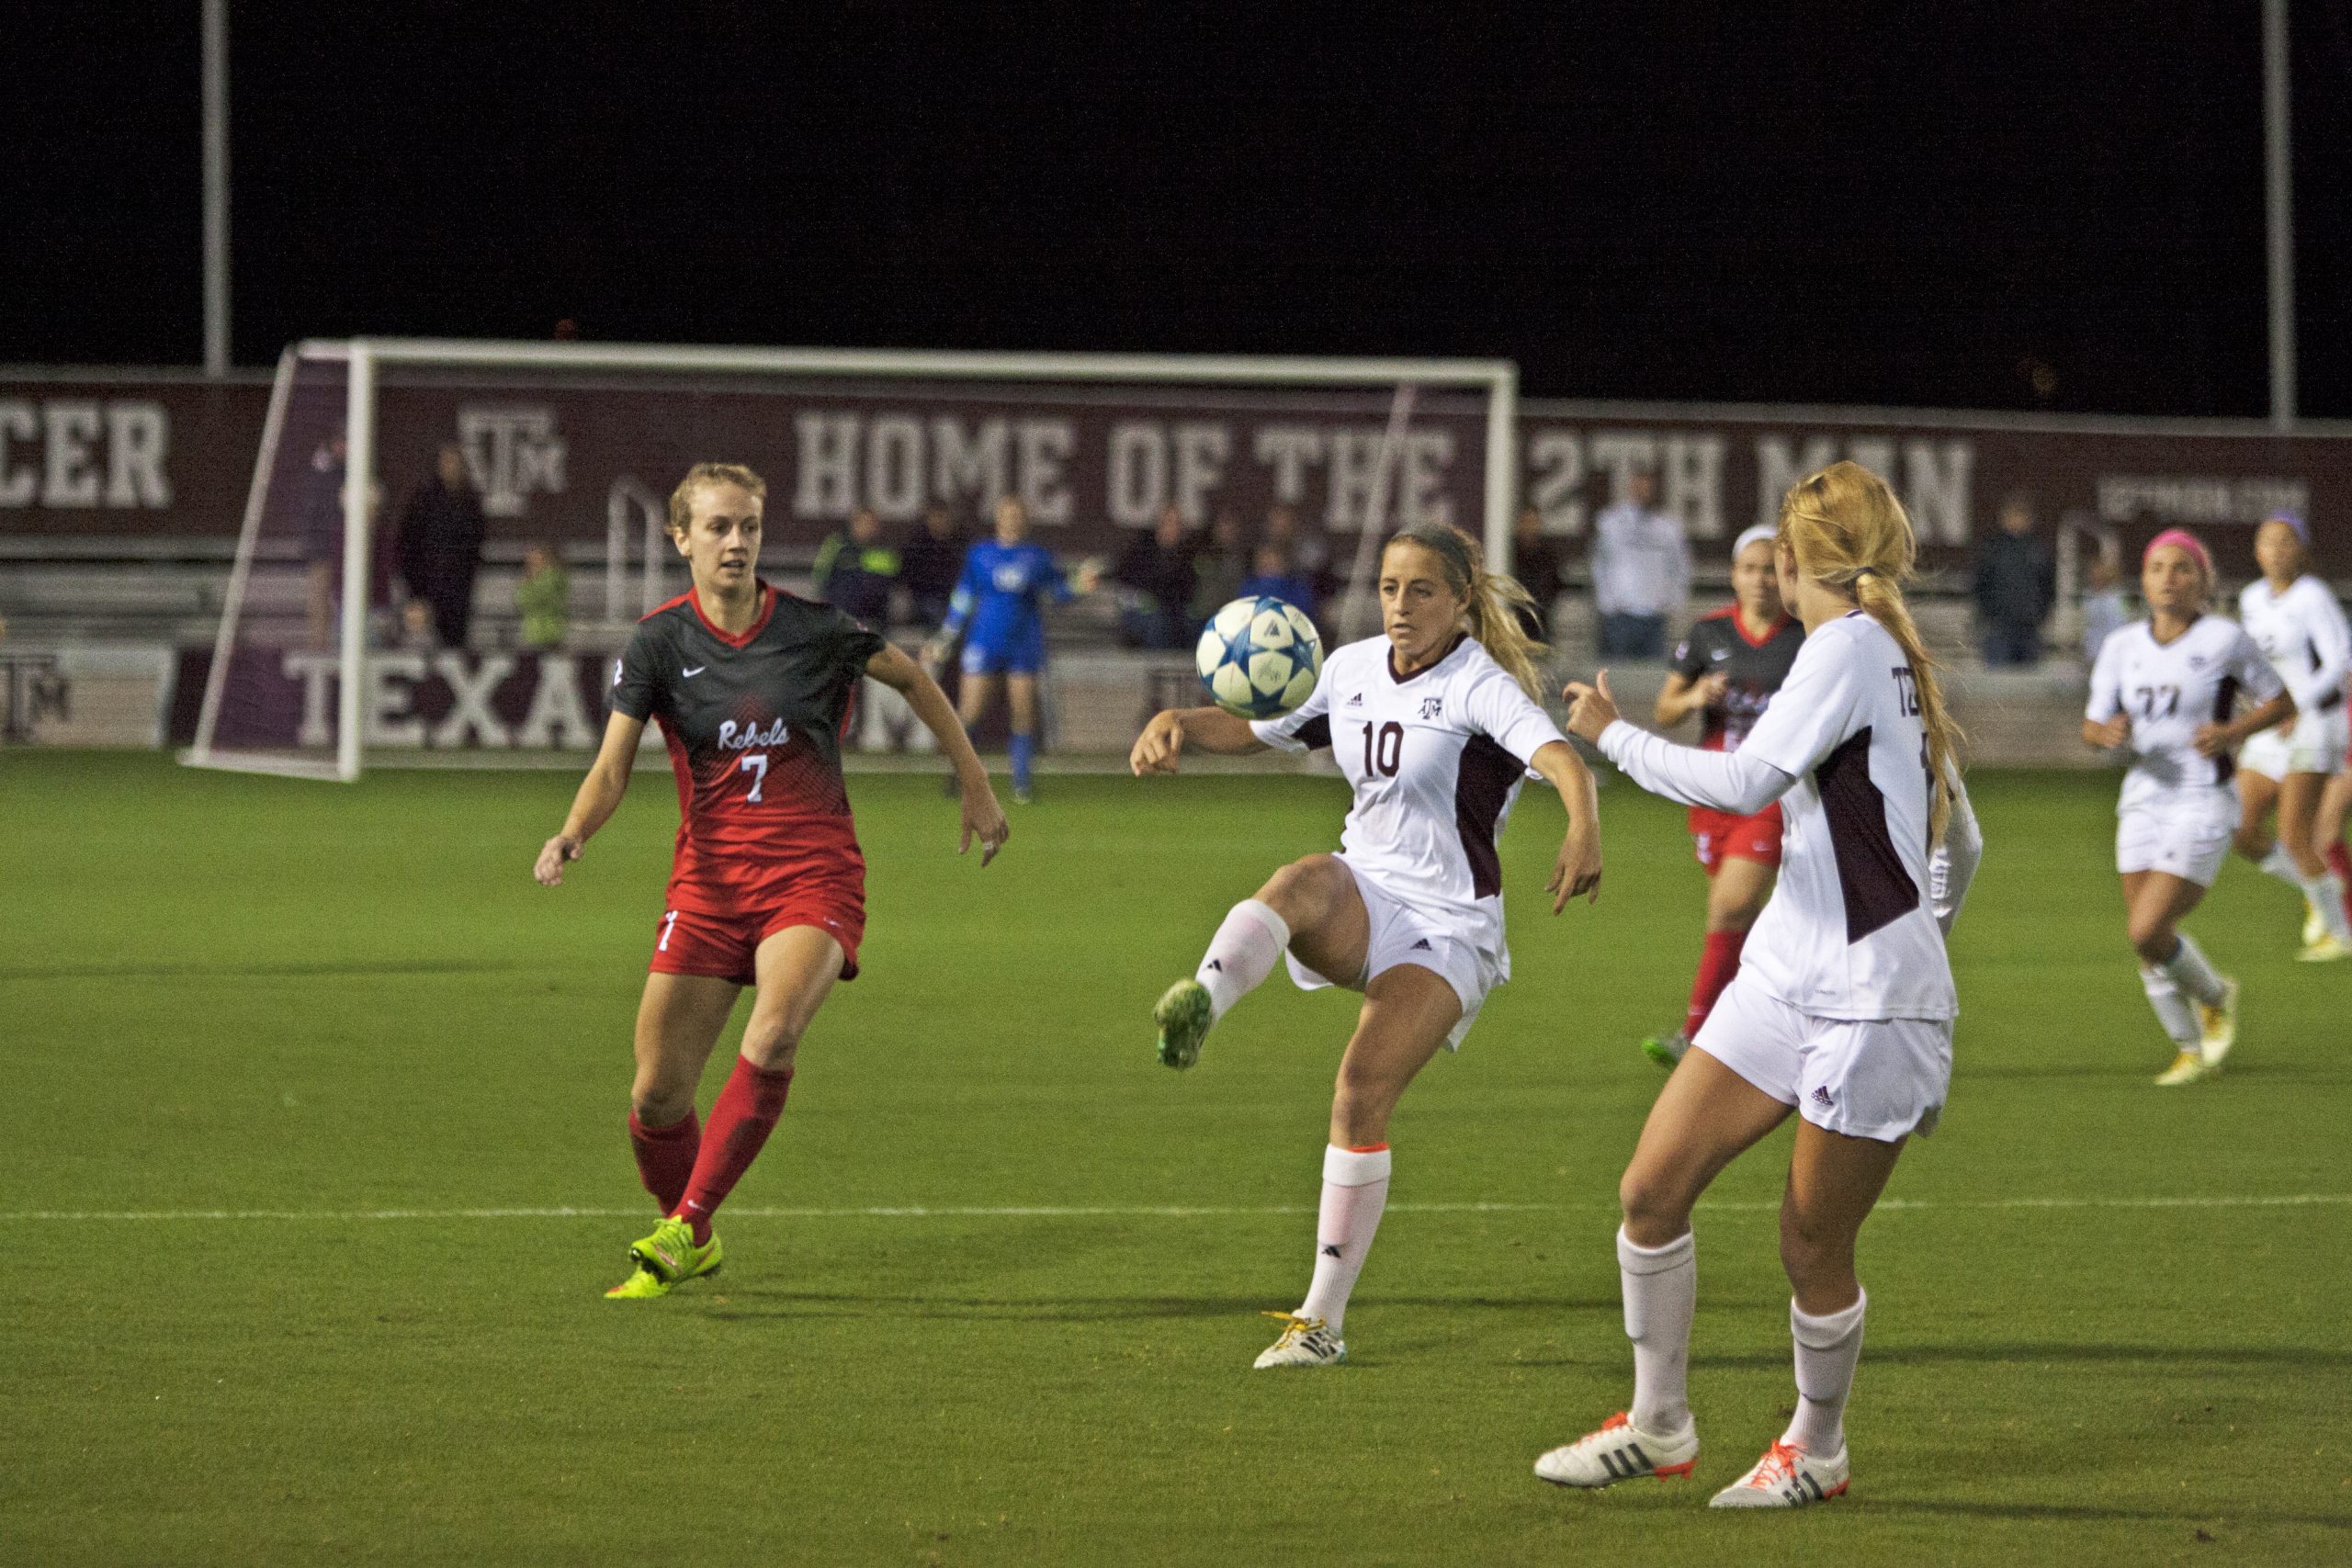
(1260, 657)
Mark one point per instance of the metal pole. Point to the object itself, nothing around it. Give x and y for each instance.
(216, 188)
(358, 483)
(2280, 190)
(1503, 466)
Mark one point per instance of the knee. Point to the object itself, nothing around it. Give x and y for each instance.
(2251, 841)
(2153, 941)
(658, 1101)
(1294, 892)
(770, 1043)
(1656, 1208)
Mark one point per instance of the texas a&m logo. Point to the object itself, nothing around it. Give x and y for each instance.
(512, 450)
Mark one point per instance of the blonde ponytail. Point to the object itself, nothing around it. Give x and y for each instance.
(1493, 602)
(1848, 532)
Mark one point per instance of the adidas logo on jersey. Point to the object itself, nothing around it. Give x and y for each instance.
(1421, 945)
(734, 737)
(1356, 701)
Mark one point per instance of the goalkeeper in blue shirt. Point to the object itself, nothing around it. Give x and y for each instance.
(999, 608)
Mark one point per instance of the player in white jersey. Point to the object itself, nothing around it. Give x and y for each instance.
(1435, 724)
(2167, 688)
(2293, 618)
(1842, 1011)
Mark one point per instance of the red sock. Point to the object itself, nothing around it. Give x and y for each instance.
(739, 1124)
(665, 1156)
(1718, 961)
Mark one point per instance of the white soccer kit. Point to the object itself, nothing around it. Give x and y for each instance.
(1435, 759)
(2303, 633)
(1844, 1003)
(2178, 809)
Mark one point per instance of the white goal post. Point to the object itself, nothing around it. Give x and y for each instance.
(364, 361)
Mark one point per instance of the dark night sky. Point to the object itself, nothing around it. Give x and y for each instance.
(1915, 210)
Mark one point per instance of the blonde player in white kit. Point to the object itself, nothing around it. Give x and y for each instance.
(2293, 618)
(1842, 1011)
(1435, 724)
(2166, 687)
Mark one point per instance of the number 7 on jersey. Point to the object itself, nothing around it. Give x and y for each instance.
(756, 764)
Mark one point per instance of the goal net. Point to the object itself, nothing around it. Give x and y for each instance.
(339, 648)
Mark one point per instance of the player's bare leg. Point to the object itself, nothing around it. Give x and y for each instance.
(1736, 894)
(1022, 692)
(1406, 1014)
(1310, 908)
(1703, 1119)
(2196, 1005)
(1833, 1181)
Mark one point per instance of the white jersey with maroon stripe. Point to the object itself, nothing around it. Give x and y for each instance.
(2303, 633)
(2168, 691)
(1849, 931)
(1436, 758)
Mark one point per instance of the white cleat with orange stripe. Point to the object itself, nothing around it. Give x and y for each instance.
(1620, 1451)
(1786, 1477)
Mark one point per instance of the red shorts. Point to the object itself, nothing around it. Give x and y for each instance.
(687, 942)
(1724, 837)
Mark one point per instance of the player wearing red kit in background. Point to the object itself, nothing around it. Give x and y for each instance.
(752, 688)
(1726, 670)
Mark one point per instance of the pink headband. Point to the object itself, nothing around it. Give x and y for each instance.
(2187, 541)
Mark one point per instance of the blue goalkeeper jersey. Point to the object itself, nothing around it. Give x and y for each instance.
(1002, 592)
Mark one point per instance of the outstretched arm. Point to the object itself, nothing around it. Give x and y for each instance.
(1209, 729)
(1721, 781)
(983, 817)
(599, 796)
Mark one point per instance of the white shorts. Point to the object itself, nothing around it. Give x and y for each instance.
(1877, 1079)
(1402, 934)
(2187, 833)
(2313, 743)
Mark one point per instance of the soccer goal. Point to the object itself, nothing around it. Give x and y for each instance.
(321, 664)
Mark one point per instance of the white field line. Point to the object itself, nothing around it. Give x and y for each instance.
(1158, 1212)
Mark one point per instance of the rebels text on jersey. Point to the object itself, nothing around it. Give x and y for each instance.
(754, 726)
(1754, 669)
(1435, 759)
(2170, 690)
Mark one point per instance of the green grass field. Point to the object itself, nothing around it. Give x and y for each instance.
(314, 1174)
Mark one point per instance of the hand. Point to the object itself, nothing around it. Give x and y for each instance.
(984, 818)
(1592, 708)
(2116, 731)
(1712, 689)
(1577, 871)
(1088, 576)
(552, 854)
(2213, 739)
(934, 655)
(1157, 748)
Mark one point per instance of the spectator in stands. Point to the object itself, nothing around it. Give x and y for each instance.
(1305, 549)
(2016, 583)
(544, 597)
(440, 544)
(1641, 571)
(930, 565)
(1535, 562)
(1273, 574)
(1156, 578)
(2105, 607)
(856, 571)
(1220, 566)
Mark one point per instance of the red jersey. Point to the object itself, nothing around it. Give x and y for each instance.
(754, 724)
(1718, 644)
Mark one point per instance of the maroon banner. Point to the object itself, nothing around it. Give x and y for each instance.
(573, 461)
(284, 699)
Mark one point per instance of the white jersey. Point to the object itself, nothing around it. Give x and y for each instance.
(1436, 760)
(1850, 931)
(2303, 634)
(2170, 690)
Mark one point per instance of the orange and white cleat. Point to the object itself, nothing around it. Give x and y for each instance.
(1786, 1477)
(1621, 1452)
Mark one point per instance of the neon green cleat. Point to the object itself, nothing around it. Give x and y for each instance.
(1183, 1014)
(1666, 1050)
(667, 1260)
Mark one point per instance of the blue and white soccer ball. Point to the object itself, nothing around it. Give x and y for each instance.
(1260, 657)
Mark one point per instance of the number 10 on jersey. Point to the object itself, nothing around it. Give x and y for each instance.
(1383, 749)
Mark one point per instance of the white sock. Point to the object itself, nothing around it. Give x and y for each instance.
(2325, 893)
(1662, 1286)
(2189, 969)
(1355, 1189)
(1244, 951)
(2281, 864)
(1827, 1349)
(2173, 1011)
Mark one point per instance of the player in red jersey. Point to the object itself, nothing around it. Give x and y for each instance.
(1726, 671)
(753, 688)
